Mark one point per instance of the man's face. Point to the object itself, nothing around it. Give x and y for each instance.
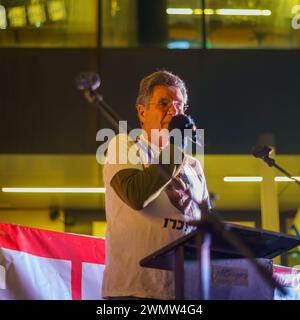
(164, 104)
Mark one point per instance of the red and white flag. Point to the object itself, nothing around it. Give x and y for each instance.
(45, 265)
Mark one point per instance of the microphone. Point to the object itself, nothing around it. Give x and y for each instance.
(87, 81)
(263, 153)
(183, 122)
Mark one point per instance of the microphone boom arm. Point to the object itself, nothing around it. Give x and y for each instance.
(263, 152)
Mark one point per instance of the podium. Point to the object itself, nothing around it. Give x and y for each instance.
(203, 245)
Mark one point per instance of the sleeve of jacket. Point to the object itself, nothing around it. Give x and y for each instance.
(137, 188)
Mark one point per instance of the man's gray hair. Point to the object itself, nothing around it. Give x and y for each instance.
(165, 78)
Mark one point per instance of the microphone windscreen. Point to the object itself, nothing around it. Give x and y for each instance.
(260, 151)
(181, 122)
(87, 81)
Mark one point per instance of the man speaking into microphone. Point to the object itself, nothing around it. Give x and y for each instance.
(149, 201)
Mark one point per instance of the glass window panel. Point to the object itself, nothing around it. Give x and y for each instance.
(152, 23)
(253, 24)
(184, 24)
(48, 23)
(119, 23)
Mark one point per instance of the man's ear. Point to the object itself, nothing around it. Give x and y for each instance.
(141, 109)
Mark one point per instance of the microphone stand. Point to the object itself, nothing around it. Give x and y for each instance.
(97, 100)
(209, 223)
(263, 152)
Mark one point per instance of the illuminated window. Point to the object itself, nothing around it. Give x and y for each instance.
(57, 10)
(49, 23)
(253, 24)
(239, 23)
(36, 14)
(17, 16)
(119, 23)
(179, 23)
(173, 24)
(184, 24)
(140, 23)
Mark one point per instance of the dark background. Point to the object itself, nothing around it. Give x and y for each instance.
(235, 95)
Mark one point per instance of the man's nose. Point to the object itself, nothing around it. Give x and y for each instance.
(172, 110)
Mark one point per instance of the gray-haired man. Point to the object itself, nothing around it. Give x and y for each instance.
(146, 210)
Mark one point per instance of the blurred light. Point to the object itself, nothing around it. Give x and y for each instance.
(179, 11)
(36, 14)
(114, 8)
(57, 10)
(3, 21)
(295, 9)
(179, 45)
(243, 12)
(266, 12)
(286, 179)
(258, 179)
(243, 179)
(53, 190)
(206, 11)
(229, 12)
(17, 16)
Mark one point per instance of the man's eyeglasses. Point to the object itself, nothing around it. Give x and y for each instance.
(166, 104)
